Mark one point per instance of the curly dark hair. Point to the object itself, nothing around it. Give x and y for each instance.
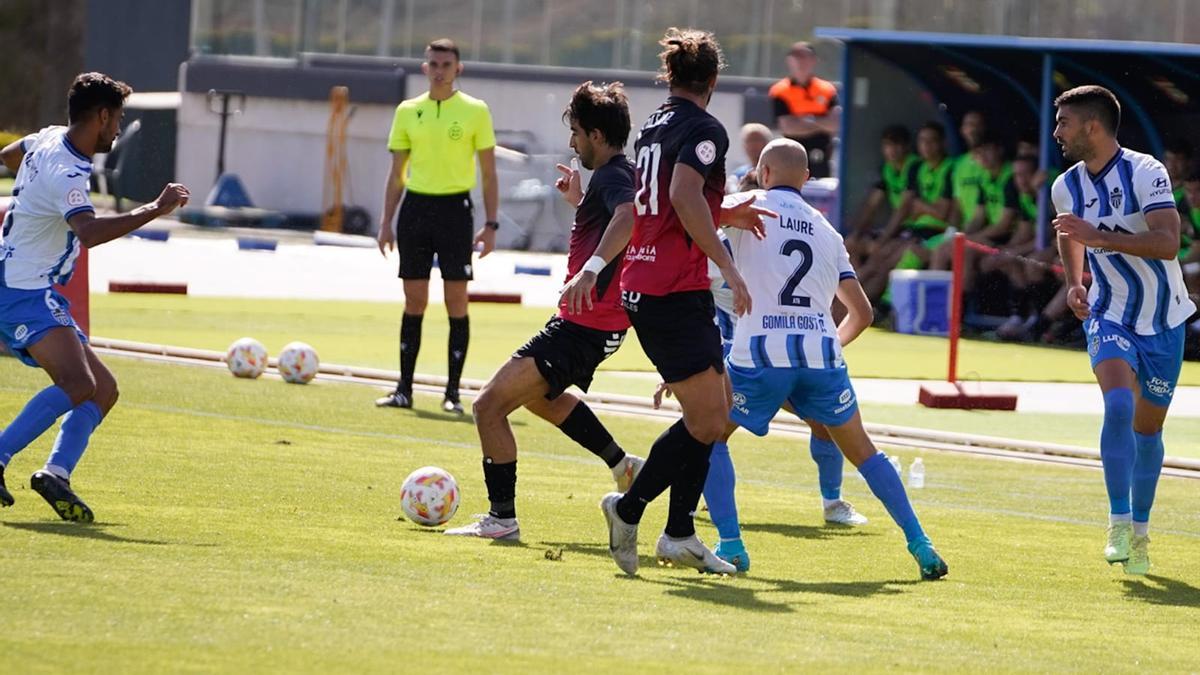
(92, 91)
(601, 106)
(691, 58)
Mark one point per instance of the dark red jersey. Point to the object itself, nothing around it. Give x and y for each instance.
(611, 186)
(662, 258)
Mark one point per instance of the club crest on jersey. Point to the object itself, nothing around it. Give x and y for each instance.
(706, 151)
(456, 131)
(1114, 198)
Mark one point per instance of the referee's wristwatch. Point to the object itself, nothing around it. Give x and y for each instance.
(493, 224)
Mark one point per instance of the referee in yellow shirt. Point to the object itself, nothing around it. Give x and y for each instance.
(434, 140)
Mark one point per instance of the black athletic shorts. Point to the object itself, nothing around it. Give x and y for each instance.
(678, 332)
(568, 354)
(441, 224)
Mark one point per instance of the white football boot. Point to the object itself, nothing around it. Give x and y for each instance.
(622, 537)
(690, 552)
(842, 512)
(489, 527)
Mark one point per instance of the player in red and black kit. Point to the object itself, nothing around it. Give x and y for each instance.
(680, 176)
(590, 324)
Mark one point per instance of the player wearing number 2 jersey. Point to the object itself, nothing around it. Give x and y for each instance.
(680, 178)
(788, 349)
(1115, 207)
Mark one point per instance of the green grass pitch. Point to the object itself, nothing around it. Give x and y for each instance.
(366, 334)
(251, 526)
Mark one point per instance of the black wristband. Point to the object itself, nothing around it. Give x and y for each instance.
(492, 224)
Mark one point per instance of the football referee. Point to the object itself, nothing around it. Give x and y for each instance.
(434, 140)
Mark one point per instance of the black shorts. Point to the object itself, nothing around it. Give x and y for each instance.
(678, 332)
(567, 353)
(441, 224)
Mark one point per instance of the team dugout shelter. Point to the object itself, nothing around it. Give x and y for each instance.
(909, 78)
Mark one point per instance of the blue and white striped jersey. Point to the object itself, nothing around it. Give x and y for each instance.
(793, 277)
(37, 247)
(722, 294)
(1146, 295)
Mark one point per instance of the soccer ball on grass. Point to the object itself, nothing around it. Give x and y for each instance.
(298, 363)
(247, 358)
(429, 496)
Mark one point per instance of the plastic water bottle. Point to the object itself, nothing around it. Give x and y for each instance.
(916, 474)
(895, 462)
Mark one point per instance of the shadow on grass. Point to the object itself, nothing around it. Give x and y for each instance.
(441, 416)
(1163, 591)
(92, 531)
(745, 591)
(798, 531)
(762, 594)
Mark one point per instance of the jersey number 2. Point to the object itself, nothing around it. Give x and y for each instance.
(787, 296)
(646, 199)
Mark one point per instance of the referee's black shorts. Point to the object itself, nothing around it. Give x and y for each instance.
(436, 224)
(677, 331)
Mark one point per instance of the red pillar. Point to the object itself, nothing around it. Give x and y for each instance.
(76, 292)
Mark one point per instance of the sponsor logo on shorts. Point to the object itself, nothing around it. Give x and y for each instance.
(706, 152)
(612, 344)
(21, 332)
(60, 314)
(630, 300)
(846, 401)
(1158, 386)
(739, 398)
(1121, 342)
(467, 269)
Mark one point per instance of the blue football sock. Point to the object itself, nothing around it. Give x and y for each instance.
(1117, 448)
(885, 483)
(1147, 465)
(77, 428)
(829, 466)
(46, 406)
(718, 493)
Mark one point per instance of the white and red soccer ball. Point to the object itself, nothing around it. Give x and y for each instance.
(247, 358)
(298, 363)
(429, 496)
